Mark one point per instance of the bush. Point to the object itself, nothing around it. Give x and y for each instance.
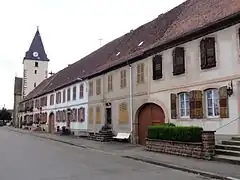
(169, 124)
(175, 133)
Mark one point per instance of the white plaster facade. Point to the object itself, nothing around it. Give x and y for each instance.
(78, 128)
(34, 72)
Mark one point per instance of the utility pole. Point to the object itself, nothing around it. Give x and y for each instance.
(100, 41)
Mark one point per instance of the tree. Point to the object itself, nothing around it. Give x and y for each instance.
(5, 114)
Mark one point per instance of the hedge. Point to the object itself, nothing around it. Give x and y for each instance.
(175, 133)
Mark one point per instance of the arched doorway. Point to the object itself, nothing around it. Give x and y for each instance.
(20, 122)
(51, 123)
(149, 114)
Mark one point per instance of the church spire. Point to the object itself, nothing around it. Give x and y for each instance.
(36, 50)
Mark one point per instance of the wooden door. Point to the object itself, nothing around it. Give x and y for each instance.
(150, 114)
(51, 123)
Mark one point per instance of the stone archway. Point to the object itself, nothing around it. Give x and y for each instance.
(51, 120)
(148, 114)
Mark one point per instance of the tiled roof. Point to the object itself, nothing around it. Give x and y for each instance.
(36, 46)
(198, 14)
(185, 18)
(39, 89)
(18, 86)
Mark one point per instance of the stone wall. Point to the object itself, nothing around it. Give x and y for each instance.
(204, 149)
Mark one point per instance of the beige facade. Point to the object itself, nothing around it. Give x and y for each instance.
(159, 91)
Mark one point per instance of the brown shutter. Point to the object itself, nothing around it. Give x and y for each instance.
(173, 106)
(196, 106)
(157, 67)
(178, 61)
(211, 55)
(223, 102)
(203, 54)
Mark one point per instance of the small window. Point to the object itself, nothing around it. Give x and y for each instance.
(36, 64)
(35, 85)
(212, 103)
(123, 113)
(64, 96)
(90, 88)
(98, 115)
(123, 79)
(184, 106)
(157, 67)
(74, 93)
(98, 86)
(35, 71)
(81, 91)
(110, 85)
(68, 94)
(140, 73)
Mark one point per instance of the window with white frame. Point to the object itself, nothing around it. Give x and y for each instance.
(184, 105)
(212, 102)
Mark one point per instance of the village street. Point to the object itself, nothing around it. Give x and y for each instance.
(25, 157)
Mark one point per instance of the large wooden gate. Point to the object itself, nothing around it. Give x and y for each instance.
(150, 114)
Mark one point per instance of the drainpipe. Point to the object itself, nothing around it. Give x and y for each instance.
(131, 98)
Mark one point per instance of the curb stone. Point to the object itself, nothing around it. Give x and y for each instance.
(149, 161)
(194, 171)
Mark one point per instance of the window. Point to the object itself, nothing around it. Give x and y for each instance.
(68, 94)
(34, 84)
(207, 50)
(35, 71)
(74, 93)
(178, 61)
(157, 67)
(123, 113)
(90, 88)
(36, 64)
(98, 86)
(64, 96)
(74, 115)
(52, 99)
(64, 116)
(123, 79)
(81, 114)
(58, 97)
(212, 102)
(110, 85)
(81, 91)
(90, 115)
(184, 108)
(140, 73)
(98, 115)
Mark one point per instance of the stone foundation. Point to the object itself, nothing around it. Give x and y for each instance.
(204, 149)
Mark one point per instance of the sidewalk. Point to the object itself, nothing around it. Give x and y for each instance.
(212, 169)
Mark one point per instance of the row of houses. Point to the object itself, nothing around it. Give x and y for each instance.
(182, 67)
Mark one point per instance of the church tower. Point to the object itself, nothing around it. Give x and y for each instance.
(35, 65)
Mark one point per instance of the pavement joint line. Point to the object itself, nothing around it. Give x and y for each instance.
(145, 160)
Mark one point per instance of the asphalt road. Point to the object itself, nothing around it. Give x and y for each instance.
(24, 157)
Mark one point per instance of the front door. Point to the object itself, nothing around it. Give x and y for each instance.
(150, 114)
(68, 120)
(109, 116)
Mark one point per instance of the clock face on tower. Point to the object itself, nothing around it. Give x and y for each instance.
(35, 54)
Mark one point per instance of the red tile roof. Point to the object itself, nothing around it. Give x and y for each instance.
(185, 18)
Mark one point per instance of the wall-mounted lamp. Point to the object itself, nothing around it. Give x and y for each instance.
(230, 89)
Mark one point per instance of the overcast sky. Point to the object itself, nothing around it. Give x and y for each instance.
(70, 30)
